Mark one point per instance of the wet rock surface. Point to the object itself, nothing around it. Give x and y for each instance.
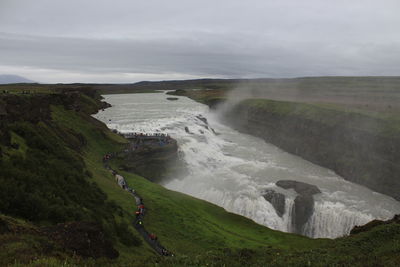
(299, 187)
(276, 199)
(153, 157)
(202, 119)
(187, 130)
(303, 207)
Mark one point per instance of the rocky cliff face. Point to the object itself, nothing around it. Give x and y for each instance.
(303, 207)
(362, 149)
(276, 199)
(152, 161)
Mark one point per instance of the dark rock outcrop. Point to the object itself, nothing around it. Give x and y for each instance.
(187, 130)
(303, 207)
(276, 199)
(300, 187)
(153, 160)
(374, 223)
(202, 119)
(214, 132)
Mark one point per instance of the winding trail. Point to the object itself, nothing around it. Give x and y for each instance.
(151, 239)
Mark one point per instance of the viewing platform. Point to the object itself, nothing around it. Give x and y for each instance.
(140, 141)
(145, 136)
(150, 155)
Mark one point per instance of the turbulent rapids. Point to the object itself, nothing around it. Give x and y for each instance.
(234, 170)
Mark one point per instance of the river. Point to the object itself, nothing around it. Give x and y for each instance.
(232, 169)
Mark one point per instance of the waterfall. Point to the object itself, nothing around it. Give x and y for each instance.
(231, 169)
(334, 219)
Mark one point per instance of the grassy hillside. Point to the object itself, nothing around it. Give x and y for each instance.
(210, 98)
(43, 177)
(372, 94)
(58, 147)
(378, 94)
(138, 87)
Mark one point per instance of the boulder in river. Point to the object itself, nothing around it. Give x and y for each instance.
(187, 130)
(276, 199)
(299, 187)
(303, 207)
(302, 210)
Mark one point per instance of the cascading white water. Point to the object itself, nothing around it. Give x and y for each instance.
(232, 169)
(331, 218)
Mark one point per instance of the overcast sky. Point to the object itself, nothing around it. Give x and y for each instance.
(128, 40)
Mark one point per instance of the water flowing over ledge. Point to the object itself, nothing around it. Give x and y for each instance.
(232, 169)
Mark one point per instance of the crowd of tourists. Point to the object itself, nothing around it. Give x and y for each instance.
(144, 140)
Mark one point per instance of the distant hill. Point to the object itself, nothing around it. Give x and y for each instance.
(7, 78)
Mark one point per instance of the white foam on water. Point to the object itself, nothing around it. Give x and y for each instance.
(334, 219)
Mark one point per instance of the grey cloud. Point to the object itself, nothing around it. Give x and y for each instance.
(224, 38)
